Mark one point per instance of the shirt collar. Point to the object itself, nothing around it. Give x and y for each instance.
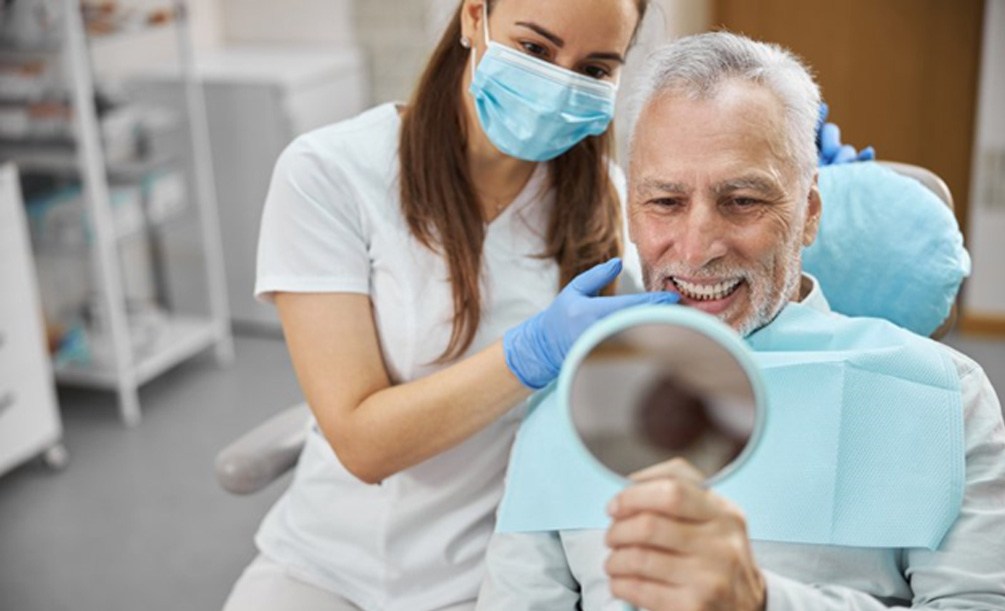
(815, 297)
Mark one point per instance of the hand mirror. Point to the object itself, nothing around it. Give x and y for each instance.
(652, 384)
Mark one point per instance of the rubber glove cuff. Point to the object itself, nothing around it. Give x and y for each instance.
(536, 365)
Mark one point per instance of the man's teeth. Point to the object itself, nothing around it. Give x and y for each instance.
(707, 292)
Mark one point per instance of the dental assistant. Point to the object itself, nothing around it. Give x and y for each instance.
(414, 254)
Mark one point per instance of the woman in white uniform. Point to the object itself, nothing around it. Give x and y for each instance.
(414, 254)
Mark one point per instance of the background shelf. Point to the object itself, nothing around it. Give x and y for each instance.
(180, 339)
(107, 174)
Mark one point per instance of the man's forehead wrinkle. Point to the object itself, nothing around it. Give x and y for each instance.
(764, 184)
(769, 183)
(651, 184)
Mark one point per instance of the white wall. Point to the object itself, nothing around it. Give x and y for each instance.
(665, 20)
(683, 17)
(985, 291)
(121, 56)
(307, 22)
(397, 35)
(393, 33)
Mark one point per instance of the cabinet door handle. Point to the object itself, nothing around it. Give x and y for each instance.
(3, 339)
(7, 401)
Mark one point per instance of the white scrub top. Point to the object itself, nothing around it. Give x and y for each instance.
(333, 223)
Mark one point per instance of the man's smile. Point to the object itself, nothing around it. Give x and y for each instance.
(711, 295)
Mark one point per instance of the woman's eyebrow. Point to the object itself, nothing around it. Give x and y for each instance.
(555, 40)
(608, 55)
(558, 42)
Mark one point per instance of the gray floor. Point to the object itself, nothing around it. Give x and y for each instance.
(136, 521)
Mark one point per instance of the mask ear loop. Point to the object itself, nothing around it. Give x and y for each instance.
(485, 22)
(485, 30)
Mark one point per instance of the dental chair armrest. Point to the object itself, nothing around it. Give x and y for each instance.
(264, 453)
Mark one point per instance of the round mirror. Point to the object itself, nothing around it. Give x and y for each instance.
(675, 383)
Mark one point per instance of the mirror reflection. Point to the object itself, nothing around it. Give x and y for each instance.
(655, 392)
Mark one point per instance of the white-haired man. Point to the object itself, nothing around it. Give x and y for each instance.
(722, 200)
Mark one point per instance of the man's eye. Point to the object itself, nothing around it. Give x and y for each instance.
(744, 202)
(667, 202)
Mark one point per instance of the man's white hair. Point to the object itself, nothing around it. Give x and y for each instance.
(696, 66)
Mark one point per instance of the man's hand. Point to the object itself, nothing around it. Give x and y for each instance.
(677, 546)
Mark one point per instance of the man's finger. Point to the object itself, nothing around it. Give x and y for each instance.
(672, 497)
(658, 532)
(644, 563)
(644, 594)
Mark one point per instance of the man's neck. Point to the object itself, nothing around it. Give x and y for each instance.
(805, 286)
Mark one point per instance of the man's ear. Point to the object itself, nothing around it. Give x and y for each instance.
(814, 208)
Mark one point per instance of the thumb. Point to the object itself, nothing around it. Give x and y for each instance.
(593, 280)
(867, 154)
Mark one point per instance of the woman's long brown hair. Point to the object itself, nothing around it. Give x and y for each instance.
(441, 207)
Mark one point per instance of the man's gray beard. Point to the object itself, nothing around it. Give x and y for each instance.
(764, 309)
(771, 307)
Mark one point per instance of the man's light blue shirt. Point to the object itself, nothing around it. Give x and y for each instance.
(563, 569)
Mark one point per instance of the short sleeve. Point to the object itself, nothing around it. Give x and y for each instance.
(312, 236)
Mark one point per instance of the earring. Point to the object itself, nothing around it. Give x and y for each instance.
(465, 42)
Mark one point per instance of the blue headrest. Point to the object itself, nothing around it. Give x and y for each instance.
(888, 247)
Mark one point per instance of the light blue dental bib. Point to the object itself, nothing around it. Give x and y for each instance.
(862, 444)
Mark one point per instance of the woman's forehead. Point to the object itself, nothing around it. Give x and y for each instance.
(587, 25)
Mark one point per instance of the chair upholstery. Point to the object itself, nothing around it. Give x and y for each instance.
(936, 185)
(264, 453)
(883, 219)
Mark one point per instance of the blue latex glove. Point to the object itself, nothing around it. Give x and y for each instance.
(829, 143)
(535, 348)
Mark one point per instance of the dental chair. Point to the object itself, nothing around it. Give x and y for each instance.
(269, 450)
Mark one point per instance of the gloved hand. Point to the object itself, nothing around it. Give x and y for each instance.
(535, 348)
(829, 143)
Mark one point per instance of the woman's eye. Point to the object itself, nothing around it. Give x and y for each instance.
(597, 72)
(534, 49)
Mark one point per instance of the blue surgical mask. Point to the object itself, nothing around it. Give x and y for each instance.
(533, 110)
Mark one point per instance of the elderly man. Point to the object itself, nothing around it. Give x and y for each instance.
(722, 199)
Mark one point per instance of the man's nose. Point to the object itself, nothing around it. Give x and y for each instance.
(702, 240)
